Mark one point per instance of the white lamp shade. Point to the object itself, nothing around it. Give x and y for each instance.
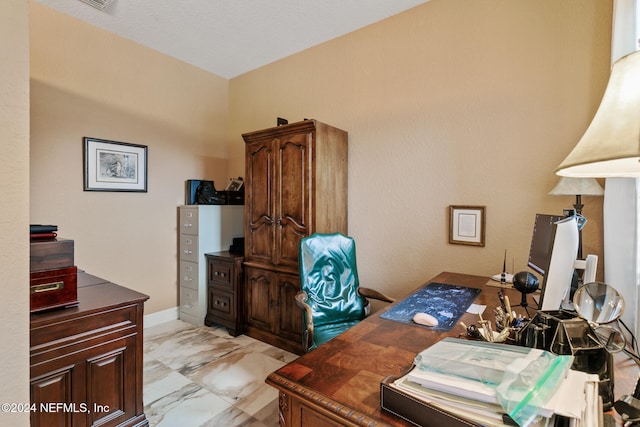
(577, 187)
(611, 145)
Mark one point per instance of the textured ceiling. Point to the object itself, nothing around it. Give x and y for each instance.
(232, 37)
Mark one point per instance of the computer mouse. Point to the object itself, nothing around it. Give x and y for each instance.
(425, 319)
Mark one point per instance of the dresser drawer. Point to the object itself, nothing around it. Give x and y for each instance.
(189, 221)
(219, 272)
(189, 247)
(68, 335)
(189, 274)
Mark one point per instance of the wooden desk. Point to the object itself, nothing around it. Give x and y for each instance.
(338, 384)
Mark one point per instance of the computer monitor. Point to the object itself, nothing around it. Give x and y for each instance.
(541, 242)
(553, 252)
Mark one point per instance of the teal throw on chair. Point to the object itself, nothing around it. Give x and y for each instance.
(330, 295)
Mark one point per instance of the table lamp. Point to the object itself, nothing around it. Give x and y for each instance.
(577, 187)
(610, 147)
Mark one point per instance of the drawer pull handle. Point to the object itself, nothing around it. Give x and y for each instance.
(187, 279)
(217, 273)
(47, 287)
(187, 225)
(187, 252)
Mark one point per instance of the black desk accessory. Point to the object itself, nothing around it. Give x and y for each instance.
(503, 276)
(585, 334)
(525, 283)
(629, 407)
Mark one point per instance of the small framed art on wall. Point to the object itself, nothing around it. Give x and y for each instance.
(467, 225)
(114, 166)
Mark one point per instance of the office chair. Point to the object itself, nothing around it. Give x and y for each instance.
(331, 297)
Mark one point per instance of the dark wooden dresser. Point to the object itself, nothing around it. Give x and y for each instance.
(86, 361)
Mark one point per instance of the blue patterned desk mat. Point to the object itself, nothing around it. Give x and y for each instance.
(447, 303)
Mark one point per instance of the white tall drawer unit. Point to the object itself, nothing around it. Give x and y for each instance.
(202, 229)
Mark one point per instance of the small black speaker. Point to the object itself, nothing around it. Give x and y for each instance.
(526, 283)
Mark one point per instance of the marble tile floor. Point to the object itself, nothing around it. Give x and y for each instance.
(203, 377)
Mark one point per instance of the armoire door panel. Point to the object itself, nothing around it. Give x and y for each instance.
(293, 204)
(260, 234)
(259, 201)
(289, 315)
(259, 299)
(289, 245)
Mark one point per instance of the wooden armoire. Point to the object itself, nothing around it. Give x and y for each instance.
(295, 185)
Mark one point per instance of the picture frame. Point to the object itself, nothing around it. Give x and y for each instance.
(234, 185)
(114, 166)
(467, 225)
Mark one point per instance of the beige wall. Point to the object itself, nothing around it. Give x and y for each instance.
(14, 209)
(87, 82)
(451, 103)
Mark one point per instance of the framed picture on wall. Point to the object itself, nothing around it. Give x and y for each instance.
(114, 166)
(466, 225)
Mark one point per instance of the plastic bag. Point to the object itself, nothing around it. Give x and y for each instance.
(526, 388)
(522, 379)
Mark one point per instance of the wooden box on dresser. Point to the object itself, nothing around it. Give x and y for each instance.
(295, 185)
(86, 361)
(224, 290)
(202, 229)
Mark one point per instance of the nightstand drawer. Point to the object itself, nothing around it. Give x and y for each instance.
(221, 304)
(219, 272)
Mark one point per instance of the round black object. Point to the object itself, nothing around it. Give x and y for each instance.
(525, 282)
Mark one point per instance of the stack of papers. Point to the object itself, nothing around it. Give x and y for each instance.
(492, 385)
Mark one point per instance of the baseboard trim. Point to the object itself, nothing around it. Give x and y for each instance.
(159, 317)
